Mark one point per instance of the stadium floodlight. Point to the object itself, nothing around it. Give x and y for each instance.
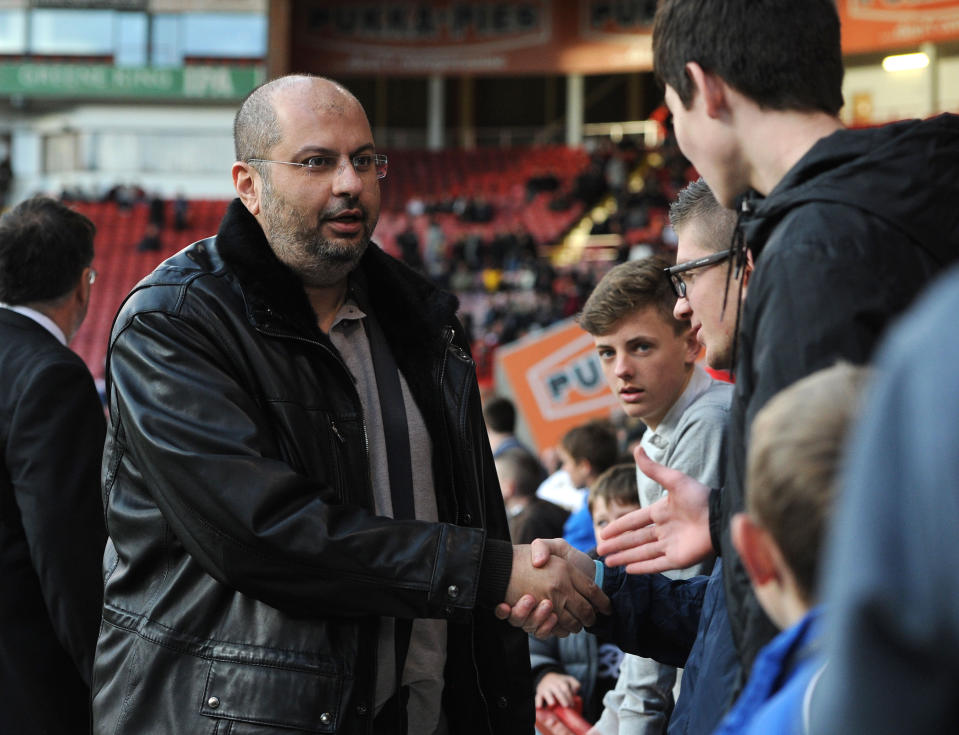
(905, 62)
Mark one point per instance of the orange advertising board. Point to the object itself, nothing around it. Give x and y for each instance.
(555, 380)
(418, 37)
(879, 25)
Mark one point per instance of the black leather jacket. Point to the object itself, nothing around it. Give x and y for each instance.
(246, 572)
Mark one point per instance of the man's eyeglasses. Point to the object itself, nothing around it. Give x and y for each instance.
(363, 164)
(675, 272)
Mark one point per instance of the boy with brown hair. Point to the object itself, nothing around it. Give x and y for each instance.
(792, 469)
(614, 494)
(586, 451)
(649, 358)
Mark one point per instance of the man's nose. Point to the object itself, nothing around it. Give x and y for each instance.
(682, 310)
(346, 182)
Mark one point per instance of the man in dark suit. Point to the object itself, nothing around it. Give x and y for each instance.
(51, 441)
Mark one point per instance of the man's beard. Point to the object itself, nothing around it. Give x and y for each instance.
(298, 243)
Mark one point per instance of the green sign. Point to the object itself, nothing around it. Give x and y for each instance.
(105, 81)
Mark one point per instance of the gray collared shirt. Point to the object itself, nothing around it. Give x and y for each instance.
(690, 438)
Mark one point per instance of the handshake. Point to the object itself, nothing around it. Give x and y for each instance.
(551, 590)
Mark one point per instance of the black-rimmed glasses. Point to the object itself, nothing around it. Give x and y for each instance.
(674, 272)
(363, 163)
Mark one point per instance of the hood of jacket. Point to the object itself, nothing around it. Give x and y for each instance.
(904, 173)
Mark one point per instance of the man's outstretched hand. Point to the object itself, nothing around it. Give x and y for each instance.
(672, 533)
(539, 614)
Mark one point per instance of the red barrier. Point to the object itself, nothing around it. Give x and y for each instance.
(557, 720)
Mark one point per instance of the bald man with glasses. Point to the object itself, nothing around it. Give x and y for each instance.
(306, 529)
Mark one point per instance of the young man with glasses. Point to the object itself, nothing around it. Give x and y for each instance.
(306, 530)
(844, 228)
(708, 283)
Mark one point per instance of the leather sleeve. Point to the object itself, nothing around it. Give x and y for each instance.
(193, 438)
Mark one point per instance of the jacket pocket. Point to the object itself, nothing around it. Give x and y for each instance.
(267, 696)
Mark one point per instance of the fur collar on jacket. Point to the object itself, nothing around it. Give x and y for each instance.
(409, 308)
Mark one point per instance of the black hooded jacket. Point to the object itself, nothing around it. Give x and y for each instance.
(246, 570)
(841, 246)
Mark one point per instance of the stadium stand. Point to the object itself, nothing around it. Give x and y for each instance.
(549, 195)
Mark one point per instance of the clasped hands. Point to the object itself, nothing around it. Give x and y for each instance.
(551, 590)
(672, 533)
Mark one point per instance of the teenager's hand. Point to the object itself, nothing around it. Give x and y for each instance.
(672, 533)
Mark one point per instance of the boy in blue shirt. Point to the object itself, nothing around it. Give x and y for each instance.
(792, 470)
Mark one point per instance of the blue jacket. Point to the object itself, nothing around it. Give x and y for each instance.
(784, 670)
(653, 616)
(683, 623)
(578, 530)
(712, 669)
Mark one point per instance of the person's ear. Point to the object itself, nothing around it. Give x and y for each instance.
(755, 547)
(748, 268)
(84, 287)
(588, 469)
(247, 183)
(709, 86)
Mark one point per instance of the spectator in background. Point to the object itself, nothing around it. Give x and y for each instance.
(435, 257)
(649, 359)
(51, 441)
(124, 196)
(792, 472)
(499, 414)
(586, 452)
(181, 212)
(156, 221)
(582, 664)
(409, 245)
(540, 182)
(530, 518)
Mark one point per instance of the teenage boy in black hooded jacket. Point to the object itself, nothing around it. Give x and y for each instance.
(844, 228)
